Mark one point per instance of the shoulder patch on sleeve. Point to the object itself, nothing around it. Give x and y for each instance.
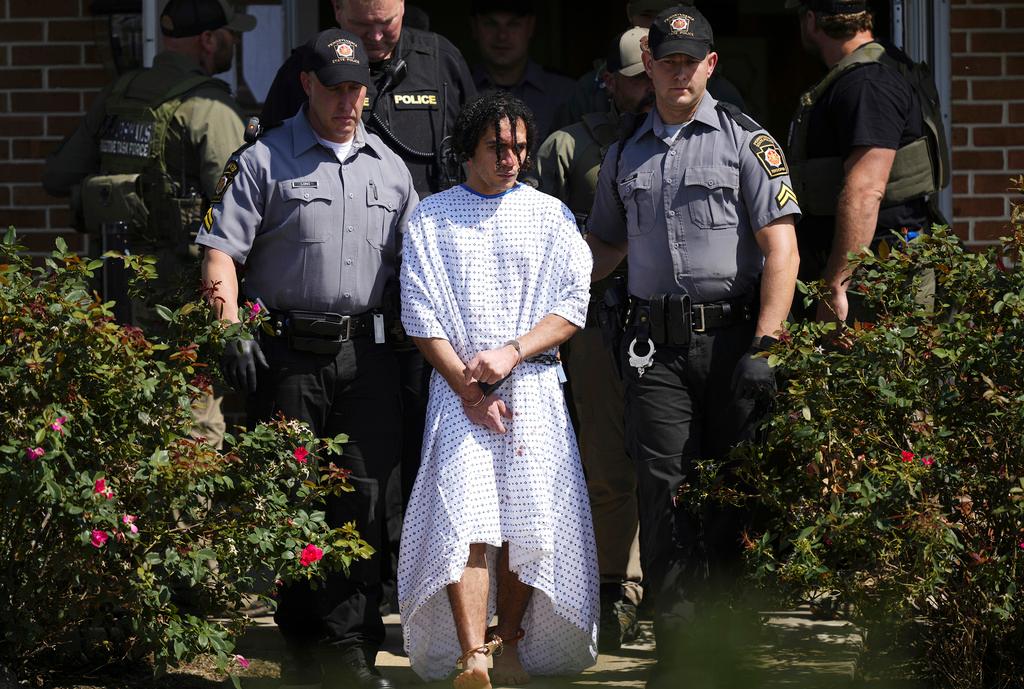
(785, 195)
(770, 155)
(226, 178)
(208, 219)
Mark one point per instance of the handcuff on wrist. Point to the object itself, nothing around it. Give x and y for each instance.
(488, 388)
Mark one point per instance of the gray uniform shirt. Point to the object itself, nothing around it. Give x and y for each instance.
(693, 205)
(312, 233)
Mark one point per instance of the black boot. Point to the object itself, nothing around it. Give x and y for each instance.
(618, 622)
(350, 669)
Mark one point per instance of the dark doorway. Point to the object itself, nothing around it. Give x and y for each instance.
(758, 42)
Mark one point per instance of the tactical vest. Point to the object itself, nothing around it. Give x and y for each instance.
(134, 185)
(920, 168)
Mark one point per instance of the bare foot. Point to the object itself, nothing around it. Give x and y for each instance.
(508, 671)
(475, 675)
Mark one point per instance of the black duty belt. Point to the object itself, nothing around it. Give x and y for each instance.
(670, 318)
(320, 332)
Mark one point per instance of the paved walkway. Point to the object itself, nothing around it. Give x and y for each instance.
(792, 650)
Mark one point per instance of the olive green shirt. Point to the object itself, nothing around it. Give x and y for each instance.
(568, 161)
(567, 167)
(205, 131)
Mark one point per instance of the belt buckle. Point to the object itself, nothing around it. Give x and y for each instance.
(699, 308)
(347, 335)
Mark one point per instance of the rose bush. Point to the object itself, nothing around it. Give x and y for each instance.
(120, 535)
(891, 472)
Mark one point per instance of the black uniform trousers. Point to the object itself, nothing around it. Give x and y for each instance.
(355, 392)
(680, 411)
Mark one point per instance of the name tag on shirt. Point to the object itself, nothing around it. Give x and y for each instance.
(305, 184)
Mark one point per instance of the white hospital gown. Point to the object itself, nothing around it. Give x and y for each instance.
(478, 271)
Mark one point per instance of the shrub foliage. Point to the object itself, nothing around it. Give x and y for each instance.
(891, 475)
(120, 535)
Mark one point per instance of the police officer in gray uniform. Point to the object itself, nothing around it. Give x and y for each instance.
(314, 211)
(700, 198)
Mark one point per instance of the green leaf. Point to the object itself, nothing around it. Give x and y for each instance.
(164, 312)
(806, 411)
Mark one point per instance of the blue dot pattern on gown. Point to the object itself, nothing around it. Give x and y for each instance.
(478, 271)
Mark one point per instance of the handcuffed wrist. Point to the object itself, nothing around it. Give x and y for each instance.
(516, 346)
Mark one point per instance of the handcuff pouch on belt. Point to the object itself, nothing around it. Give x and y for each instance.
(669, 320)
(316, 332)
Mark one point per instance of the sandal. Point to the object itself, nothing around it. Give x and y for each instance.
(493, 646)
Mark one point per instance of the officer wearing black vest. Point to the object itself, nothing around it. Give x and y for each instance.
(413, 114)
(145, 161)
(867, 149)
(699, 197)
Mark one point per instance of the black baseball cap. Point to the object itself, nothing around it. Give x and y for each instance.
(680, 29)
(183, 18)
(335, 56)
(519, 7)
(830, 6)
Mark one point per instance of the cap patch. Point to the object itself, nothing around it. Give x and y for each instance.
(785, 195)
(679, 24)
(345, 50)
(230, 170)
(769, 154)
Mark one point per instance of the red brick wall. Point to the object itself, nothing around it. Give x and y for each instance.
(50, 68)
(988, 114)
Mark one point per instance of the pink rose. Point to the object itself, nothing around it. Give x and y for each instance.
(907, 456)
(34, 453)
(242, 661)
(927, 461)
(58, 425)
(301, 454)
(129, 521)
(310, 554)
(98, 538)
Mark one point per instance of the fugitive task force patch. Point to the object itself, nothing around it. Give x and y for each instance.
(679, 24)
(785, 195)
(769, 154)
(230, 170)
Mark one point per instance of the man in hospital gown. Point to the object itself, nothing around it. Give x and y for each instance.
(494, 277)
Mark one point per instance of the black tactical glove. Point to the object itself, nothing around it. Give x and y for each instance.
(753, 377)
(239, 362)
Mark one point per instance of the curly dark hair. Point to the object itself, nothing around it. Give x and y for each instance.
(488, 111)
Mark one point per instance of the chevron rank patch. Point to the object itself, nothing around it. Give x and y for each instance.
(769, 154)
(226, 178)
(785, 195)
(208, 219)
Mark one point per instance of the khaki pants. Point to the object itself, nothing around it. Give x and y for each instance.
(208, 420)
(598, 400)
